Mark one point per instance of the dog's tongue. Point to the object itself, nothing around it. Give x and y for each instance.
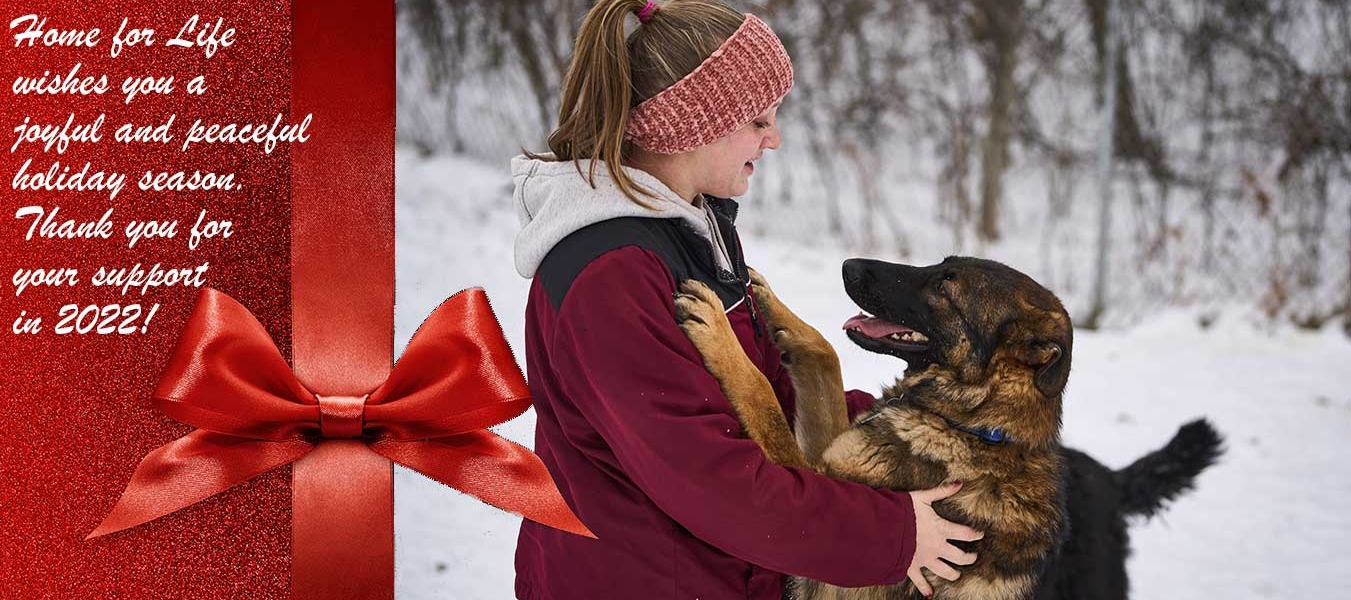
(874, 327)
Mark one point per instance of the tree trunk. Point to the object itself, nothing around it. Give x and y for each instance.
(1105, 155)
(1208, 168)
(514, 19)
(1346, 310)
(1004, 33)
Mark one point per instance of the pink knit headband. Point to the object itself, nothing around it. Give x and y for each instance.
(746, 75)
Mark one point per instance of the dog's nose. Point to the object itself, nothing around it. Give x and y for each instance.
(856, 271)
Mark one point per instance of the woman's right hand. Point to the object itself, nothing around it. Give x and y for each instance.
(932, 533)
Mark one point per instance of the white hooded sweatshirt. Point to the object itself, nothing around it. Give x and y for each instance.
(553, 200)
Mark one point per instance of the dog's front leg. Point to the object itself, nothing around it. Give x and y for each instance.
(701, 316)
(815, 368)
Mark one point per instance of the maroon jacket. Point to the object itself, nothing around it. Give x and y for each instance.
(648, 452)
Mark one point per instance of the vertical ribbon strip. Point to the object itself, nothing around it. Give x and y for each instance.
(342, 287)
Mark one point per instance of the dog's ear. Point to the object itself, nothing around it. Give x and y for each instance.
(1047, 358)
(1053, 369)
(1047, 355)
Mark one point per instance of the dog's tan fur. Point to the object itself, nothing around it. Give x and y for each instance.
(1011, 491)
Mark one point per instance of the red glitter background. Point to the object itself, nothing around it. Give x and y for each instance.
(75, 417)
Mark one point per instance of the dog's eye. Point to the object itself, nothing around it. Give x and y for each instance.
(947, 276)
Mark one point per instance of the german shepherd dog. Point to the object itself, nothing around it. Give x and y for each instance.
(988, 357)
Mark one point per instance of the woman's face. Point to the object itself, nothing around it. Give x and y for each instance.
(723, 168)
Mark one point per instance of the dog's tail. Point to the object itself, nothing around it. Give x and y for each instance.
(1164, 474)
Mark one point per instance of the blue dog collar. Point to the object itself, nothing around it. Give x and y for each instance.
(987, 435)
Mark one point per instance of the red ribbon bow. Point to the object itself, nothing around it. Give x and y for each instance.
(456, 378)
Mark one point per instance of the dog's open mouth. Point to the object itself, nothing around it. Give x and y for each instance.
(885, 334)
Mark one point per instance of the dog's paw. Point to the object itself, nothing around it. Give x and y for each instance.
(765, 300)
(794, 338)
(697, 289)
(700, 314)
(777, 316)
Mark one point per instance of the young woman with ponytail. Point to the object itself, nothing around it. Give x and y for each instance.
(657, 131)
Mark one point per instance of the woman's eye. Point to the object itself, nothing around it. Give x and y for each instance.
(761, 125)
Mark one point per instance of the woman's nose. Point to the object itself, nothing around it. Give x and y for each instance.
(771, 140)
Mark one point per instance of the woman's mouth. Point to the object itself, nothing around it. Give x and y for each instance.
(750, 167)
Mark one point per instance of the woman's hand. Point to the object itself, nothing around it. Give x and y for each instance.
(932, 533)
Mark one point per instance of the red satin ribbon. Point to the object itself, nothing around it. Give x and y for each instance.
(342, 288)
(456, 378)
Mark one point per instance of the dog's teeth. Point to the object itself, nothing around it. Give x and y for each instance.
(895, 336)
(919, 337)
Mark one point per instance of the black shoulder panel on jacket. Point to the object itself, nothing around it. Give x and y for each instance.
(685, 253)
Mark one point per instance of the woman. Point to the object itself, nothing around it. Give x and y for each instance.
(655, 133)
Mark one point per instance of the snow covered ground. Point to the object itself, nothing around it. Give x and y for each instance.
(1265, 522)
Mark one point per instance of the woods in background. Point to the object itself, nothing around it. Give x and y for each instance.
(918, 128)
